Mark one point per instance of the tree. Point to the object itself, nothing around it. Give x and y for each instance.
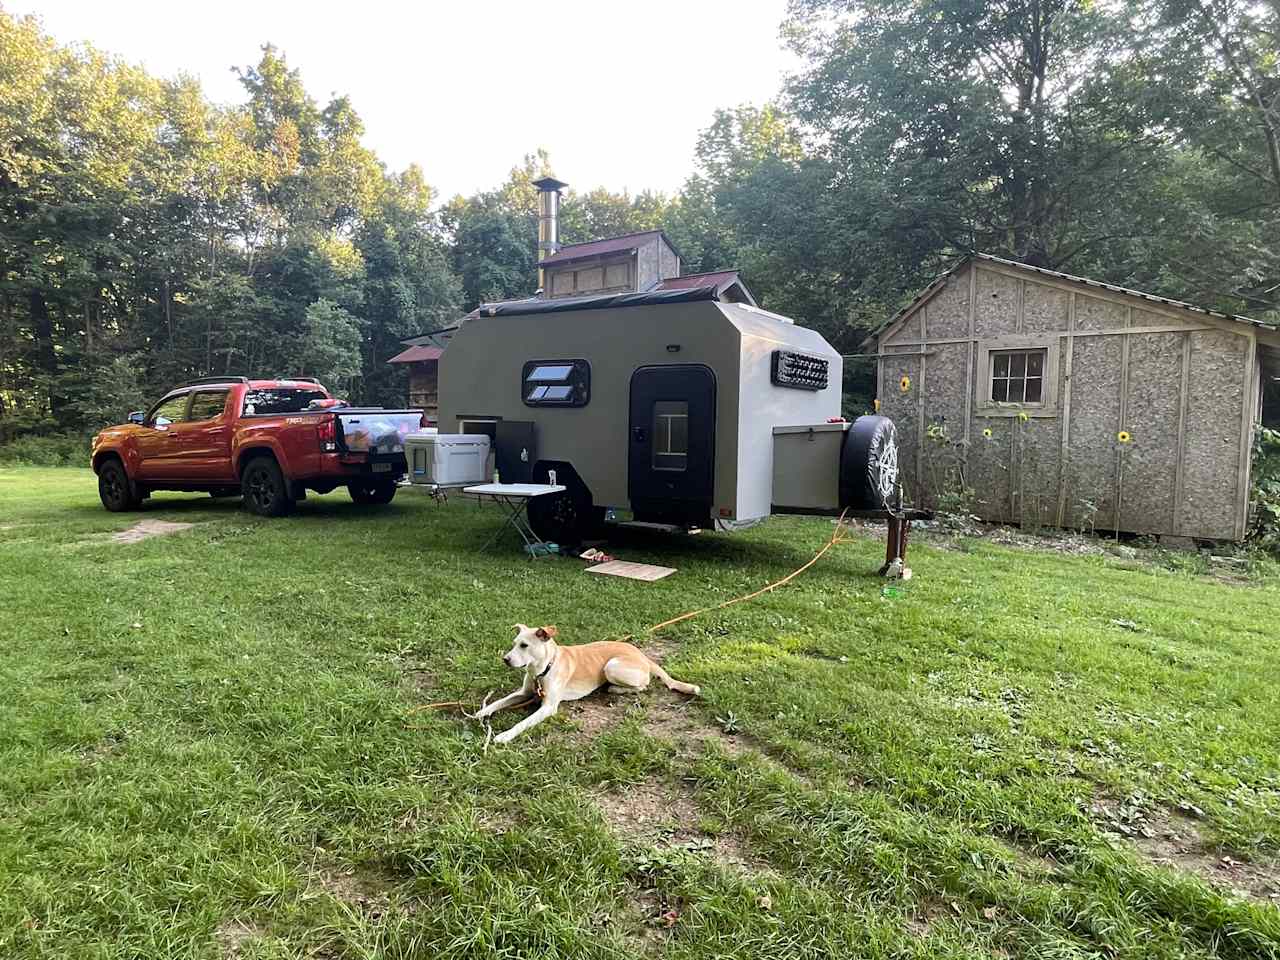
(329, 347)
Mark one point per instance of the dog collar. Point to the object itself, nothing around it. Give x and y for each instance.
(547, 668)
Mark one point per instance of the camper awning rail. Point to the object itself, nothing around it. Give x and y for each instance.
(598, 303)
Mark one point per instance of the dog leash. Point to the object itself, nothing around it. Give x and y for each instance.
(835, 539)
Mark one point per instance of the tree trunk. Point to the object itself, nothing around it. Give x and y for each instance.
(46, 355)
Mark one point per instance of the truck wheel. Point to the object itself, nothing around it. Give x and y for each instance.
(372, 492)
(869, 464)
(114, 488)
(265, 490)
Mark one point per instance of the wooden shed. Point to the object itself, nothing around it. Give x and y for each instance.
(1061, 401)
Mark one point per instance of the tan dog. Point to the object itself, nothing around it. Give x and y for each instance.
(559, 673)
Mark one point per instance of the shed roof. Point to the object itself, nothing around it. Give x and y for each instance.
(417, 354)
(595, 248)
(937, 283)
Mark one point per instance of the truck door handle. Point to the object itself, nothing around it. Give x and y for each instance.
(638, 434)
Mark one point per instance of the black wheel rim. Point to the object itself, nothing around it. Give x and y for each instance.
(112, 490)
(564, 517)
(261, 491)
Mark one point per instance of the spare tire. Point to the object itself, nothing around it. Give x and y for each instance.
(869, 464)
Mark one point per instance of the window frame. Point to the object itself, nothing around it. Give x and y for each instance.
(579, 378)
(1047, 406)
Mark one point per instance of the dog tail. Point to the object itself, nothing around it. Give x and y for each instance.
(679, 686)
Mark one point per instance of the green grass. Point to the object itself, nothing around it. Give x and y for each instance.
(208, 748)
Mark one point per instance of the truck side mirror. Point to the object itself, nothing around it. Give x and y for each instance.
(138, 416)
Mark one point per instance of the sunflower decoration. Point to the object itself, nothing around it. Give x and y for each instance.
(1023, 416)
(988, 433)
(1124, 436)
(905, 383)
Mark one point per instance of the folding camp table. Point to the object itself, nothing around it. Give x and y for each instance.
(514, 498)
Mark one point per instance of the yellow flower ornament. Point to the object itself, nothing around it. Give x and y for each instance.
(905, 383)
(987, 433)
(1124, 436)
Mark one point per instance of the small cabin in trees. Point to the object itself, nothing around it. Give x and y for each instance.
(1035, 397)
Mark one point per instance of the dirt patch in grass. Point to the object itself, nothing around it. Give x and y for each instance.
(145, 529)
(103, 748)
(232, 936)
(659, 813)
(675, 717)
(1173, 840)
(362, 888)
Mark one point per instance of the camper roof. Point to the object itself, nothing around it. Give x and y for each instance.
(514, 308)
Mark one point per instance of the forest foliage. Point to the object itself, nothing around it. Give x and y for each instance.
(148, 235)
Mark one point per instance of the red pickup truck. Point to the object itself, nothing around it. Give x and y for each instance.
(267, 440)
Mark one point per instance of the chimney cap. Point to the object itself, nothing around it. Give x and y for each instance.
(549, 183)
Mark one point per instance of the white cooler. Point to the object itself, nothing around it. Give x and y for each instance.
(447, 459)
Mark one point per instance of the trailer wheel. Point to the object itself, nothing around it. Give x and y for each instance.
(567, 518)
(869, 464)
(372, 492)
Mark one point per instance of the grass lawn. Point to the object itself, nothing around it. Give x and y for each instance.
(209, 748)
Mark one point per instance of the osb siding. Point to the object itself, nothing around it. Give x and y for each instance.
(1037, 444)
(1045, 308)
(947, 313)
(990, 459)
(997, 303)
(1150, 462)
(908, 332)
(1215, 399)
(1069, 466)
(943, 393)
(1094, 313)
(1148, 318)
(1091, 443)
(903, 410)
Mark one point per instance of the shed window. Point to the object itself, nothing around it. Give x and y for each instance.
(556, 383)
(1017, 376)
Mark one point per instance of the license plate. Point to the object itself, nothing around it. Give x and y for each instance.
(382, 468)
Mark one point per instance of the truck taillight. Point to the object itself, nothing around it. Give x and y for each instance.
(327, 434)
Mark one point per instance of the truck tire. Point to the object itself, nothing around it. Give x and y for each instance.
(869, 464)
(372, 492)
(265, 491)
(115, 489)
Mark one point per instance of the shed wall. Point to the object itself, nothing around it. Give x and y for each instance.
(1175, 381)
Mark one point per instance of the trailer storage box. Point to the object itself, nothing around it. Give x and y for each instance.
(806, 467)
(447, 459)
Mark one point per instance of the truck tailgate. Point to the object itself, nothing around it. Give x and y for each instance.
(376, 431)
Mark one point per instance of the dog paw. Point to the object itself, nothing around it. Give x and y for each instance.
(504, 737)
(696, 691)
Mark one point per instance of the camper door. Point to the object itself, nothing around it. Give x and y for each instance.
(671, 456)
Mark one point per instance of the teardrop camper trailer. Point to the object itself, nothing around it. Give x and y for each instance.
(673, 405)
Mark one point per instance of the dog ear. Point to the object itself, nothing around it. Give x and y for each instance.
(546, 633)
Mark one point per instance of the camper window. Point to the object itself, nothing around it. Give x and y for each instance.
(556, 383)
(671, 435)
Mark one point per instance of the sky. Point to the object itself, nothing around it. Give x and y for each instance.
(617, 93)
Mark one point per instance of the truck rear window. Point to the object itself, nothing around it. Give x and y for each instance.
(260, 403)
